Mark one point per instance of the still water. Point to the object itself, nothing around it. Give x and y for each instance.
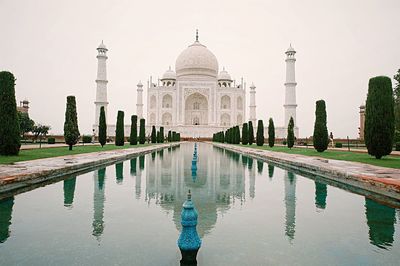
(250, 213)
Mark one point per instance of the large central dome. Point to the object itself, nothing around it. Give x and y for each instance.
(196, 60)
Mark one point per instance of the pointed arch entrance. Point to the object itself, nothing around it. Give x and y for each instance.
(196, 109)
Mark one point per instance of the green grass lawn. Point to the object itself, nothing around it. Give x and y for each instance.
(33, 154)
(387, 161)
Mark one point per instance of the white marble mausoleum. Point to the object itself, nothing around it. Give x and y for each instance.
(196, 99)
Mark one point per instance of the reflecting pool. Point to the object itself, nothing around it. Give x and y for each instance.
(250, 213)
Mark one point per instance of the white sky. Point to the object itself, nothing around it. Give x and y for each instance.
(50, 46)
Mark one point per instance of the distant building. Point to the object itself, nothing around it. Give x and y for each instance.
(23, 106)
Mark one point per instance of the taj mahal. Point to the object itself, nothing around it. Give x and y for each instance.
(197, 99)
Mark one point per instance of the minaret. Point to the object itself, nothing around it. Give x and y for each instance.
(101, 82)
(252, 106)
(139, 101)
(290, 84)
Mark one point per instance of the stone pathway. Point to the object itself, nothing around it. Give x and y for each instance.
(21, 174)
(381, 180)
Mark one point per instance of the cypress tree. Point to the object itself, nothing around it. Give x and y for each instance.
(142, 131)
(9, 122)
(102, 127)
(71, 130)
(133, 138)
(251, 133)
(222, 136)
(119, 132)
(169, 136)
(271, 133)
(161, 134)
(238, 135)
(245, 134)
(290, 133)
(379, 117)
(153, 134)
(260, 133)
(320, 136)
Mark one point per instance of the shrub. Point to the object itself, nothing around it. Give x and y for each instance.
(338, 145)
(102, 127)
(251, 133)
(133, 136)
(271, 133)
(260, 133)
(71, 130)
(142, 131)
(86, 139)
(290, 135)
(51, 141)
(379, 117)
(284, 142)
(9, 123)
(320, 136)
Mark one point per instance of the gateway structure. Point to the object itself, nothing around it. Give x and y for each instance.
(196, 99)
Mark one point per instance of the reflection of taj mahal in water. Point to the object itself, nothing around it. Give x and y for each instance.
(197, 99)
(220, 183)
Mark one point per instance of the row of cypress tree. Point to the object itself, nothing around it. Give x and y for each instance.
(119, 132)
(157, 136)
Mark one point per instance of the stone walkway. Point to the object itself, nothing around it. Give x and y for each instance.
(21, 174)
(381, 180)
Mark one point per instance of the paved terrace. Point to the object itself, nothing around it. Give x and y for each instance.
(381, 180)
(26, 173)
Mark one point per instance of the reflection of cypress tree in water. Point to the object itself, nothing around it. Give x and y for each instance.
(271, 169)
(291, 177)
(380, 220)
(119, 172)
(141, 162)
(133, 166)
(101, 174)
(290, 204)
(260, 166)
(69, 190)
(6, 206)
(98, 203)
(244, 160)
(153, 156)
(250, 163)
(161, 153)
(321, 193)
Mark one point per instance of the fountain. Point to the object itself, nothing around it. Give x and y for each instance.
(189, 241)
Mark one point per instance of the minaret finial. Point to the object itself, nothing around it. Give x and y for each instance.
(197, 35)
(189, 195)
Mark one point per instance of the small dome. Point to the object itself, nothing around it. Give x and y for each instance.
(196, 60)
(169, 74)
(290, 49)
(140, 84)
(102, 46)
(224, 75)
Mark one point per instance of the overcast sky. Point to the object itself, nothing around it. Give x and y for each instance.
(50, 46)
